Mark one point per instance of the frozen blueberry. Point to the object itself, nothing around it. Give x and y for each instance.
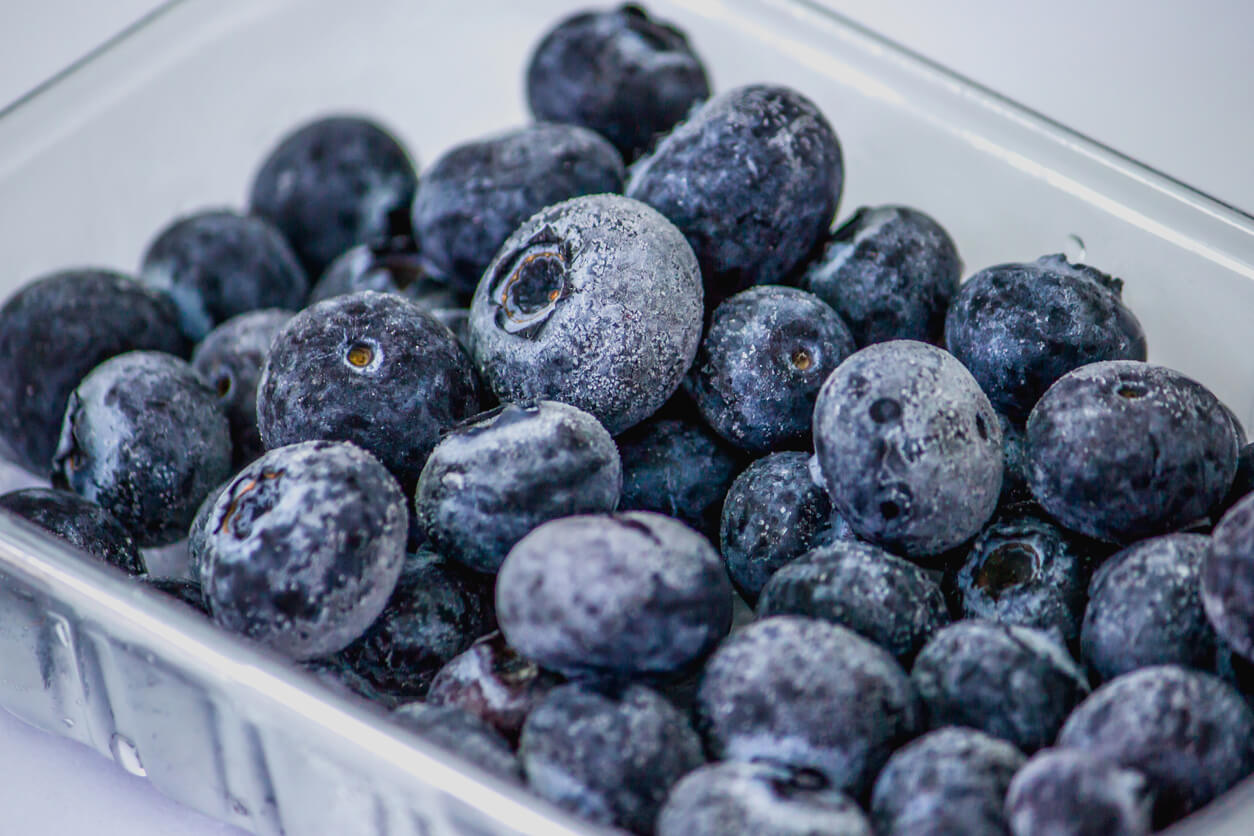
(1227, 578)
(463, 734)
(758, 799)
(495, 682)
(772, 514)
(1189, 732)
(499, 475)
(1145, 608)
(595, 302)
(1014, 483)
(181, 589)
(1243, 481)
(145, 438)
(1012, 682)
(219, 264)
(760, 365)
(1124, 450)
(611, 758)
(1020, 327)
(338, 675)
(752, 179)
(436, 611)
(1081, 793)
(909, 448)
(889, 272)
(857, 585)
(612, 596)
(679, 468)
(809, 695)
(230, 358)
(332, 184)
(950, 781)
(625, 75)
(57, 329)
(369, 368)
(82, 524)
(304, 547)
(1025, 570)
(473, 197)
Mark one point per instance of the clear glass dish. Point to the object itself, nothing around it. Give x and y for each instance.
(174, 115)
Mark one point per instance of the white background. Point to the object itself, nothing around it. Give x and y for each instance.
(1165, 82)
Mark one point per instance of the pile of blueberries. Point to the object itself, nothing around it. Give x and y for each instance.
(511, 449)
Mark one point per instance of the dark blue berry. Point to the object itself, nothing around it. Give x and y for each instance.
(230, 358)
(1078, 792)
(760, 365)
(475, 195)
(758, 799)
(181, 589)
(303, 548)
(462, 734)
(857, 585)
(611, 758)
(369, 368)
(1145, 608)
(809, 695)
(595, 302)
(82, 524)
(219, 264)
(1124, 450)
(1020, 327)
(889, 272)
(1227, 578)
(752, 179)
(621, 73)
(950, 781)
(909, 448)
(145, 438)
(57, 329)
(498, 476)
(1243, 481)
(1012, 682)
(337, 674)
(332, 184)
(613, 596)
(1189, 732)
(1014, 483)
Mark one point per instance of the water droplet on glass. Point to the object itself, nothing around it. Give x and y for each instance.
(61, 630)
(69, 722)
(1074, 249)
(127, 756)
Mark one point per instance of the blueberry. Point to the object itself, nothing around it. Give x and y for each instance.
(1020, 327)
(1014, 483)
(369, 368)
(772, 514)
(1189, 732)
(888, 600)
(82, 524)
(611, 758)
(1145, 608)
(1243, 481)
(1012, 682)
(595, 302)
(474, 196)
(1227, 578)
(144, 438)
(57, 329)
(219, 264)
(332, 184)
(180, 589)
(230, 358)
(1124, 450)
(1072, 791)
(613, 596)
(890, 272)
(623, 74)
(909, 448)
(304, 547)
(337, 674)
(809, 695)
(494, 682)
(758, 799)
(1022, 569)
(679, 468)
(950, 781)
(760, 365)
(436, 611)
(463, 734)
(499, 475)
(752, 179)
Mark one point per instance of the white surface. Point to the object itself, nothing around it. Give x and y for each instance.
(1166, 84)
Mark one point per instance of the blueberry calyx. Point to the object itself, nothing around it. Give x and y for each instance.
(531, 285)
(1006, 567)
